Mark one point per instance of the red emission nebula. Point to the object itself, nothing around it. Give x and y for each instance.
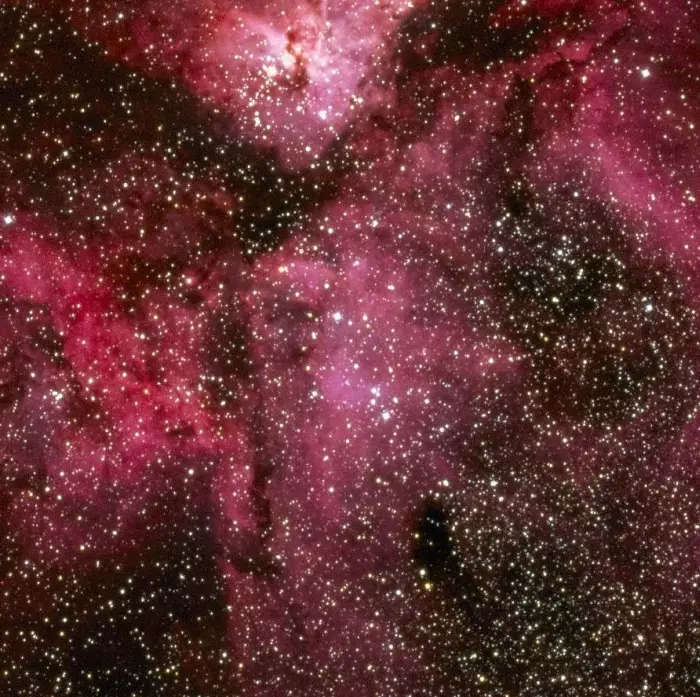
(349, 348)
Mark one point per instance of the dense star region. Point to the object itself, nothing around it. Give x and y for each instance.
(349, 348)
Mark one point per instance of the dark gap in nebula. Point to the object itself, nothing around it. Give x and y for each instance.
(235, 389)
(448, 35)
(148, 617)
(228, 357)
(154, 116)
(460, 34)
(247, 550)
(264, 468)
(433, 549)
(253, 555)
(16, 476)
(564, 289)
(167, 608)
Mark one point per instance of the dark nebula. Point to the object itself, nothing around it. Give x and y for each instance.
(349, 347)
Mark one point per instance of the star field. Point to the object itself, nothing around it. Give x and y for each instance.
(349, 347)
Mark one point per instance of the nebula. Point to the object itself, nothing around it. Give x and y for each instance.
(349, 347)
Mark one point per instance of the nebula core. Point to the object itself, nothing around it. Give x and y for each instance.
(349, 348)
